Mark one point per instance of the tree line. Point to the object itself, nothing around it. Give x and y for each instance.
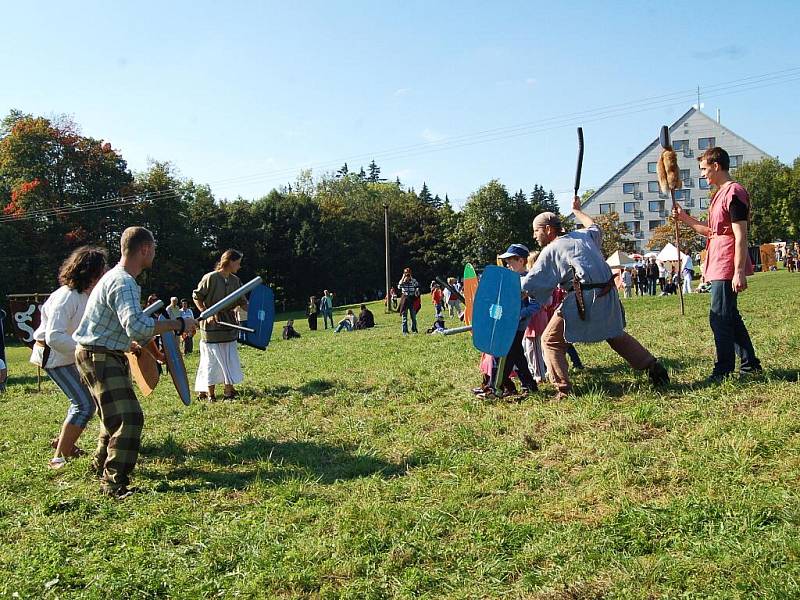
(60, 189)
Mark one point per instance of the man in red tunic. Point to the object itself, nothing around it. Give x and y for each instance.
(727, 264)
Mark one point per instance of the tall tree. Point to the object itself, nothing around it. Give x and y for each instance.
(616, 235)
(774, 199)
(489, 222)
(425, 195)
(691, 243)
(374, 173)
(50, 178)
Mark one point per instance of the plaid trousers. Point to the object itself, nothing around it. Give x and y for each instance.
(107, 375)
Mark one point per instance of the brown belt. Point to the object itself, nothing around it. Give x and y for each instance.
(102, 350)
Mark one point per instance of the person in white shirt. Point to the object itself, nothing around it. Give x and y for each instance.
(54, 348)
(688, 273)
(186, 313)
(173, 310)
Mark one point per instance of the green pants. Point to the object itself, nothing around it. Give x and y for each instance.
(107, 375)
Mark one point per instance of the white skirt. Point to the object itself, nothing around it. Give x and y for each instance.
(219, 363)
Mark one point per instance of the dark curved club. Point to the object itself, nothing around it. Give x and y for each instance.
(580, 161)
(453, 290)
(663, 137)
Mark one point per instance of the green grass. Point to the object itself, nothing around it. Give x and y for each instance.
(360, 466)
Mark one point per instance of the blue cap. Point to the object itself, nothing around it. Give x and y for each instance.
(516, 250)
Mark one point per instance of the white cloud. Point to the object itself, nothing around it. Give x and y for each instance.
(402, 92)
(530, 81)
(431, 136)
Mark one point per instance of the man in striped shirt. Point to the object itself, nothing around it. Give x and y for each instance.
(409, 288)
(112, 323)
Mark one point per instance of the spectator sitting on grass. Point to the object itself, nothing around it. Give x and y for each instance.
(366, 319)
(289, 331)
(348, 323)
(3, 376)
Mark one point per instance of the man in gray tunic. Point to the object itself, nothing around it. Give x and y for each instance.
(591, 312)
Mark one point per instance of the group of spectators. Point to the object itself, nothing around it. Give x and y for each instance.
(791, 257)
(650, 277)
(406, 300)
(324, 307)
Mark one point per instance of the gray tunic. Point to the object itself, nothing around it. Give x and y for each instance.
(579, 250)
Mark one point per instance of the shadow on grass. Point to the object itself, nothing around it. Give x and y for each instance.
(315, 387)
(26, 379)
(599, 378)
(783, 375)
(254, 459)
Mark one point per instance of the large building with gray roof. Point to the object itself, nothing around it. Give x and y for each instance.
(633, 191)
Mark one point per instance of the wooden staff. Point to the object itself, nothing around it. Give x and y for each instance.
(669, 178)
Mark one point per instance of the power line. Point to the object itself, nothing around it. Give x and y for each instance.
(594, 115)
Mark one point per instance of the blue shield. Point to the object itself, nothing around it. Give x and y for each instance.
(495, 315)
(260, 317)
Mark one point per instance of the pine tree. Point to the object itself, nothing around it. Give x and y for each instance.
(362, 174)
(374, 173)
(343, 171)
(425, 195)
(436, 202)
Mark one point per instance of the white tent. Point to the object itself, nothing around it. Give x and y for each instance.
(670, 253)
(619, 259)
(651, 255)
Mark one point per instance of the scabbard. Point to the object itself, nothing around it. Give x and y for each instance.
(578, 288)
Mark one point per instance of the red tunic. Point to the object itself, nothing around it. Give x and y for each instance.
(721, 244)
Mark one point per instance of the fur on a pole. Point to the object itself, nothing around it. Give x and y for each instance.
(669, 174)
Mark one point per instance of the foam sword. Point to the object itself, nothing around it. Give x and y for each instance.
(228, 301)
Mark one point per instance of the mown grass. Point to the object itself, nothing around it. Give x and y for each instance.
(359, 465)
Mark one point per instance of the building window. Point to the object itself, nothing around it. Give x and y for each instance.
(736, 161)
(655, 224)
(652, 186)
(630, 207)
(606, 209)
(655, 206)
(680, 145)
(702, 183)
(704, 202)
(633, 226)
(628, 188)
(680, 194)
(685, 174)
(652, 167)
(706, 143)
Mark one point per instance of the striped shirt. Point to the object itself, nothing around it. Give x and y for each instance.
(409, 288)
(114, 316)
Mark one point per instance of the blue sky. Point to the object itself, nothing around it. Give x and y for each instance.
(241, 95)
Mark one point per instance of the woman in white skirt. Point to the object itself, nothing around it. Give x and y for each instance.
(54, 348)
(219, 355)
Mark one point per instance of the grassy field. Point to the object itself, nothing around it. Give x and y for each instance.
(359, 465)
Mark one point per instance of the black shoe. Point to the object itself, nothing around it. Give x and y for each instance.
(716, 378)
(755, 372)
(658, 374)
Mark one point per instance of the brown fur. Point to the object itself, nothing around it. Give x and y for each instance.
(662, 175)
(673, 171)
